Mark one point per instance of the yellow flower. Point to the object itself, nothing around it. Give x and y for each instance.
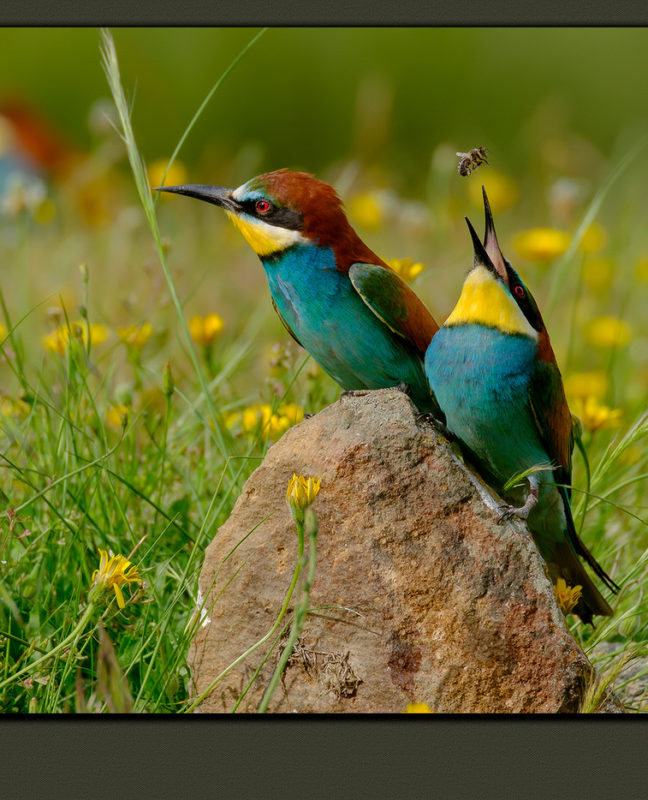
(57, 340)
(586, 384)
(135, 335)
(593, 415)
(608, 332)
(598, 274)
(567, 596)
(176, 175)
(367, 209)
(541, 244)
(502, 190)
(113, 572)
(406, 268)
(3, 331)
(115, 415)
(204, 330)
(641, 269)
(14, 408)
(261, 417)
(417, 708)
(301, 491)
(594, 239)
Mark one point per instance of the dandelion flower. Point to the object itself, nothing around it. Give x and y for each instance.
(204, 330)
(417, 708)
(594, 239)
(567, 596)
(301, 491)
(116, 415)
(541, 244)
(176, 175)
(586, 384)
(13, 408)
(368, 210)
(641, 269)
(593, 415)
(598, 274)
(135, 336)
(608, 331)
(57, 341)
(261, 416)
(406, 268)
(113, 573)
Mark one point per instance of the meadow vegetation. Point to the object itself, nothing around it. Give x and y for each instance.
(144, 375)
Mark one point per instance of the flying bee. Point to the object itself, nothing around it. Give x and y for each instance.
(471, 160)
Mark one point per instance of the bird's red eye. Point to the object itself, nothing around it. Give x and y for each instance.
(519, 291)
(262, 206)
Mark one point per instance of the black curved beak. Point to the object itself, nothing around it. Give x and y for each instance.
(218, 195)
(481, 256)
(491, 244)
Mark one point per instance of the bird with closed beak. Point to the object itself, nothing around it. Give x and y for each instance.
(356, 317)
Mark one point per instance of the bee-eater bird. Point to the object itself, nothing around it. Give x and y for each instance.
(495, 377)
(362, 324)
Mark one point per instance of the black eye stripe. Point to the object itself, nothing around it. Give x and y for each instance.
(280, 217)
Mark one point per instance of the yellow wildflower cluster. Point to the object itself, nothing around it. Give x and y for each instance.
(135, 336)
(608, 331)
(541, 244)
(57, 341)
(406, 268)
(204, 330)
(113, 573)
(593, 414)
(261, 418)
(417, 708)
(176, 175)
(567, 596)
(302, 491)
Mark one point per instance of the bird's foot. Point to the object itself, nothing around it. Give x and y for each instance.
(405, 388)
(508, 512)
(429, 419)
(354, 393)
(308, 416)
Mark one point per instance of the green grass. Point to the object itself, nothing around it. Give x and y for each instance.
(155, 483)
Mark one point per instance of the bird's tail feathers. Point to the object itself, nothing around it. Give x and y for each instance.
(581, 550)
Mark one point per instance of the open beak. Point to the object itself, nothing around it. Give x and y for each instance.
(491, 244)
(218, 195)
(481, 256)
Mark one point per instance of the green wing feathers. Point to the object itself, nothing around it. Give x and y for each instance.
(393, 302)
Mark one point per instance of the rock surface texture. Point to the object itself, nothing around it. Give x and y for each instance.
(419, 594)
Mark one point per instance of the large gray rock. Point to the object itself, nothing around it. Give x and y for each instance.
(419, 594)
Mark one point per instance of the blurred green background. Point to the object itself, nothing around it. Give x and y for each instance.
(300, 94)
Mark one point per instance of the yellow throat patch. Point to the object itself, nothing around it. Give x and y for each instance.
(485, 300)
(264, 239)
